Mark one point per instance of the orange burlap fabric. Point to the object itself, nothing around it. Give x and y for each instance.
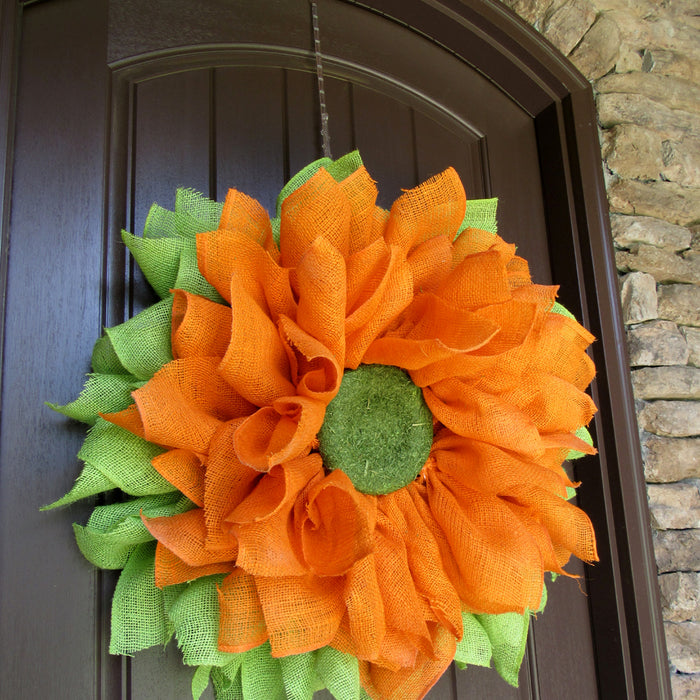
(310, 560)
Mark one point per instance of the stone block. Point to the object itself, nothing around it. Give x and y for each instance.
(663, 265)
(532, 11)
(674, 93)
(635, 152)
(670, 459)
(628, 230)
(677, 550)
(680, 596)
(666, 383)
(620, 108)
(681, 161)
(638, 296)
(671, 418)
(669, 62)
(663, 200)
(683, 643)
(598, 50)
(674, 506)
(680, 303)
(685, 686)
(657, 343)
(692, 338)
(568, 23)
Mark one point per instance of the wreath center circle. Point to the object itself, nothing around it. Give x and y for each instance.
(378, 429)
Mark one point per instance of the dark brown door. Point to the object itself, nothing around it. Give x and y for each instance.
(118, 102)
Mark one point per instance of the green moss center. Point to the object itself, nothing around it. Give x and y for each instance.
(378, 429)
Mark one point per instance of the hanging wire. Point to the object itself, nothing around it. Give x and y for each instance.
(325, 134)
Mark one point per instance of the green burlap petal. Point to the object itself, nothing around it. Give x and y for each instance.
(475, 647)
(142, 343)
(105, 359)
(158, 258)
(298, 675)
(227, 681)
(583, 434)
(562, 310)
(261, 675)
(114, 531)
(139, 618)
(90, 482)
(204, 210)
(200, 681)
(501, 638)
(102, 393)
(115, 458)
(124, 458)
(481, 214)
(507, 634)
(194, 615)
(338, 169)
(339, 673)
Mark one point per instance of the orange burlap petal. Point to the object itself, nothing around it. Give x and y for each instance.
(430, 331)
(366, 271)
(383, 683)
(128, 419)
(365, 610)
(337, 525)
(430, 263)
(322, 294)
(552, 404)
(170, 569)
(199, 327)
(434, 208)
(378, 305)
(264, 521)
(183, 405)
(554, 557)
(404, 610)
(516, 320)
(319, 207)
(568, 526)
(478, 280)
(255, 364)
(424, 560)
(492, 470)
(475, 414)
(241, 620)
(302, 613)
(223, 255)
(518, 272)
(243, 214)
(184, 469)
(476, 240)
(560, 348)
(361, 192)
(314, 368)
(280, 432)
(185, 536)
(499, 566)
(228, 483)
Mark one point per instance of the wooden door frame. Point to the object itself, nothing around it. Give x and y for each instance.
(624, 601)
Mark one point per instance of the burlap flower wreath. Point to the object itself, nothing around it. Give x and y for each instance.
(344, 429)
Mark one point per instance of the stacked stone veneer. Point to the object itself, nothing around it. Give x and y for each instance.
(643, 60)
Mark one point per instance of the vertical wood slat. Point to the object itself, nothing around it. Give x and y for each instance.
(48, 630)
(170, 148)
(250, 132)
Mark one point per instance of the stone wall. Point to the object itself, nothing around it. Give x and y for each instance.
(643, 60)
